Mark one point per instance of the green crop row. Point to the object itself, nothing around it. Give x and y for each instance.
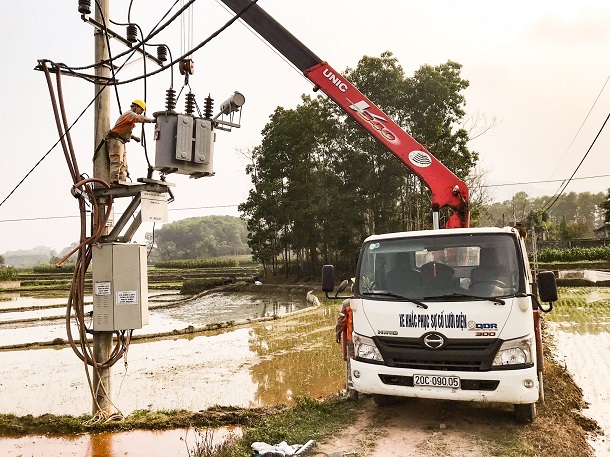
(68, 268)
(599, 254)
(198, 263)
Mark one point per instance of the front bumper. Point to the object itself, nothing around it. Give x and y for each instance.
(505, 386)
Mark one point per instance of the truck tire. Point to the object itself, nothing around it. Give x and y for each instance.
(383, 400)
(525, 413)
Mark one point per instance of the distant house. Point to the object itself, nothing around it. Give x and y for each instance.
(602, 233)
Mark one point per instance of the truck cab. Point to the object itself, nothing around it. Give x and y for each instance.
(447, 314)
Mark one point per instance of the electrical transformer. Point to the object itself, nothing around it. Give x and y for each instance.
(120, 286)
(184, 144)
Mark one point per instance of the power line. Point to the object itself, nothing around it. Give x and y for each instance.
(544, 181)
(583, 124)
(548, 206)
(153, 32)
(26, 219)
(191, 51)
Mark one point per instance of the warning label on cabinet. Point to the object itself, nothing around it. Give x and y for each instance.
(127, 297)
(102, 288)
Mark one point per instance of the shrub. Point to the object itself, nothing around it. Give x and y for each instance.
(8, 274)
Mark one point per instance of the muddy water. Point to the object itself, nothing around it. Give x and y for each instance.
(175, 443)
(580, 323)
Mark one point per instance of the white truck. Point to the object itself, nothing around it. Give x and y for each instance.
(447, 314)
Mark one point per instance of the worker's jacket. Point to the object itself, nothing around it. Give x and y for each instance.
(125, 124)
(345, 322)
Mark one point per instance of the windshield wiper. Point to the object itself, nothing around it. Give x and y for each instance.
(392, 294)
(495, 300)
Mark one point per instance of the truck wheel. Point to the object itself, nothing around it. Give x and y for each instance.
(525, 413)
(383, 400)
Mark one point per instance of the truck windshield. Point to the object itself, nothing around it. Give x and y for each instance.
(479, 265)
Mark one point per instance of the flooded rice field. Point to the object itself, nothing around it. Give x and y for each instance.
(260, 363)
(26, 320)
(580, 324)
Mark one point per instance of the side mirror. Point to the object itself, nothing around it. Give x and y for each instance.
(547, 286)
(328, 278)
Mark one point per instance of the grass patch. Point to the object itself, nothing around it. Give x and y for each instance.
(308, 419)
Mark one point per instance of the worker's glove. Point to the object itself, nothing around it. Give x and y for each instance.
(338, 337)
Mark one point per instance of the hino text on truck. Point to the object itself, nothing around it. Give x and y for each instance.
(447, 313)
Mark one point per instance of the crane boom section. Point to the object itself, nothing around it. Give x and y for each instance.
(446, 188)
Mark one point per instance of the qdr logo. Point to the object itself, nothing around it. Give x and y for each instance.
(377, 122)
(472, 325)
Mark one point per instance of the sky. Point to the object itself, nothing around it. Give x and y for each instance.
(537, 72)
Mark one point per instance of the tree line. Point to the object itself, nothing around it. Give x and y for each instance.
(321, 184)
(199, 238)
(572, 216)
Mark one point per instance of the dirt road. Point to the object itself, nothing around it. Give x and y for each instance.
(421, 428)
(431, 428)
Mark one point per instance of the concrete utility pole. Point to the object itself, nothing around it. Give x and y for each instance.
(102, 341)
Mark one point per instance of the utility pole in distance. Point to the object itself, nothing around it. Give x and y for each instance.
(102, 341)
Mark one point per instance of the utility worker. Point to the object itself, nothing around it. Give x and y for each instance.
(343, 333)
(120, 134)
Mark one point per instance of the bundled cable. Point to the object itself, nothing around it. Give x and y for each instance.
(82, 189)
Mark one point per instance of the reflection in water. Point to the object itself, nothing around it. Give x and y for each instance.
(299, 357)
(137, 443)
(9, 296)
(264, 363)
(47, 324)
(224, 307)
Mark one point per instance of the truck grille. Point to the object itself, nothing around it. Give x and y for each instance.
(456, 355)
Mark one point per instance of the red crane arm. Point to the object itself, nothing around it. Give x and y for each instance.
(446, 188)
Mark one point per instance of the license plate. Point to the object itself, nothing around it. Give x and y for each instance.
(452, 382)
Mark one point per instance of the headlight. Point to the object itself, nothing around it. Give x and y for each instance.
(515, 352)
(365, 348)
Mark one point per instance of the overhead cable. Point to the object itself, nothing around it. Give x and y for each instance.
(563, 187)
(196, 48)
